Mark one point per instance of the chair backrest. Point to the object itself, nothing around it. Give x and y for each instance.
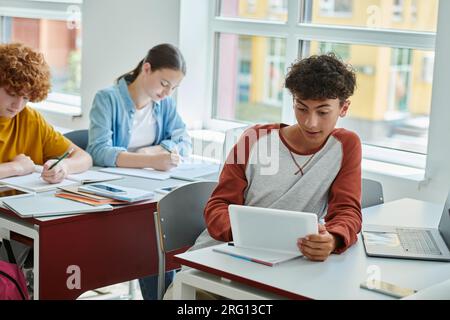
(179, 221)
(79, 137)
(372, 193)
(180, 214)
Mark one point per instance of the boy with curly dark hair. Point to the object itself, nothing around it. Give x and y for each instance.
(319, 166)
(26, 138)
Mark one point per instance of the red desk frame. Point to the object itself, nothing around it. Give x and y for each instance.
(108, 247)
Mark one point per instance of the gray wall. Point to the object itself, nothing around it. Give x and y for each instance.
(116, 35)
(194, 44)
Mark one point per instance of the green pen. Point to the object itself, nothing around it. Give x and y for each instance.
(166, 148)
(65, 155)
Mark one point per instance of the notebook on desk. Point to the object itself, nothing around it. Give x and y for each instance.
(91, 176)
(267, 236)
(193, 170)
(189, 170)
(45, 206)
(33, 181)
(410, 243)
(264, 257)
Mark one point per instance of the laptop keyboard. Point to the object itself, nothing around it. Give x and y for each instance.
(418, 241)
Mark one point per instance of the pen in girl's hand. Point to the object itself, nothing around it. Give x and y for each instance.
(166, 148)
(65, 155)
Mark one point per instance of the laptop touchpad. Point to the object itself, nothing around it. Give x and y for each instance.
(389, 239)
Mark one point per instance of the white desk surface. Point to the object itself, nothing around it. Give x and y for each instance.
(340, 276)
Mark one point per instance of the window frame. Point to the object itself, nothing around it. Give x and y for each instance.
(295, 31)
(57, 102)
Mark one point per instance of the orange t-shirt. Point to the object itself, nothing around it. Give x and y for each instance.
(28, 133)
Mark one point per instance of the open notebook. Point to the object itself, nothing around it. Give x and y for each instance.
(189, 170)
(265, 257)
(44, 206)
(34, 182)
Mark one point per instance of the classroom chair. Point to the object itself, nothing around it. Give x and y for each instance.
(79, 137)
(179, 221)
(372, 193)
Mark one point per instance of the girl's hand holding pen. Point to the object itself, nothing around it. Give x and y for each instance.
(56, 171)
(175, 157)
(55, 175)
(165, 161)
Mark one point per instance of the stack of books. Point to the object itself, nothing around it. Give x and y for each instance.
(72, 193)
(99, 194)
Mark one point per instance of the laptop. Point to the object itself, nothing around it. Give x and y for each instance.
(270, 229)
(410, 243)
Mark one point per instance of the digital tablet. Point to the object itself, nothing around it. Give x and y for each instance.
(7, 192)
(270, 229)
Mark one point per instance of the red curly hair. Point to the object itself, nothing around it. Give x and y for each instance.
(24, 72)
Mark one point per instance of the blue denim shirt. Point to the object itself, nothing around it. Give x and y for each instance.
(112, 116)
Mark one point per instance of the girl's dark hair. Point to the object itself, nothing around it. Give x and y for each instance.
(321, 77)
(163, 56)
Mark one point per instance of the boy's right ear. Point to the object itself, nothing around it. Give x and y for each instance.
(344, 108)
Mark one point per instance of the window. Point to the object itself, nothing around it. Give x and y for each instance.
(428, 66)
(271, 10)
(397, 10)
(400, 81)
(341, 50)
(393, 58)
(250, 78)
(414, 11)
(278, 6)
(53, 28)
(410, 15)
(251, 7)
(336, 8)
(391, 94)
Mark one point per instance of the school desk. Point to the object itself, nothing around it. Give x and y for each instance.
(338, 277)
(103, 248)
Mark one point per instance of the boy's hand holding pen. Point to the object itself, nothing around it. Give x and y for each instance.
(56, 171)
